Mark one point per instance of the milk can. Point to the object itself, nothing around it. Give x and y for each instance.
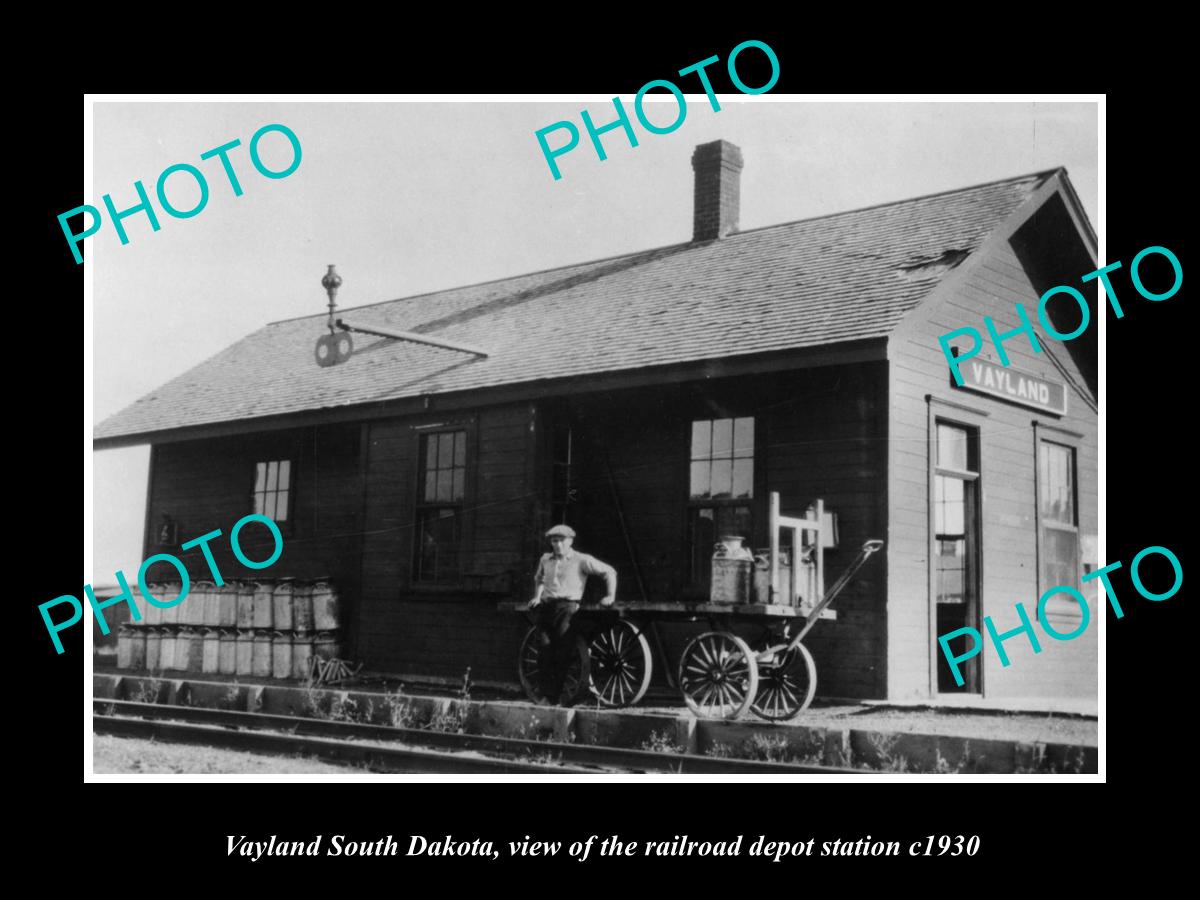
(245, 652)
(731, 565)
(324, 607)
(151, 614)
(261, 663)
(226, 652)
(193, 609)
(124, 646)
(183, 647)
(281, 605)
(227, 605)
(245, 604)
(193, 641)
(281, 654)
(170, 643)
(153, 648)
(302, 649)
(762, 579)
(170, 614)
(181, 606)
(210, 660)
(179, 647)
(302, 610)
(263, 614)
(137, 648)
(166, 659)
(211, 608)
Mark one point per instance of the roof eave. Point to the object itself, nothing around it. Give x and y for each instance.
(840, 352)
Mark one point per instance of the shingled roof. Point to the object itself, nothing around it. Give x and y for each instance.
(842, 277)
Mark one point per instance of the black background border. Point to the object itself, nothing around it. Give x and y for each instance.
(1148, 438)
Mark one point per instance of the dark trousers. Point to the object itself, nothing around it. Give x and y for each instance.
(554, 618)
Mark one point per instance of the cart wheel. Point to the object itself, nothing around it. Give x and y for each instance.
(621, 664)
(786, 684)
(718, 675)
(530, 664)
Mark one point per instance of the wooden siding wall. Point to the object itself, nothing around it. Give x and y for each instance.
(208, 485)
(830, 441)
(819, 433)
(439, 631)
(1007, 465)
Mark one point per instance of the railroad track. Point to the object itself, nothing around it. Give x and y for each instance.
(406, 749)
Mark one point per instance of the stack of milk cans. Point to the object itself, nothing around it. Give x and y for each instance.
(269, 628)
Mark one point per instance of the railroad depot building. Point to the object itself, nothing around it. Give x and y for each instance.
(653, 401)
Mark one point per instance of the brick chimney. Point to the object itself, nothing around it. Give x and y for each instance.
(718, 167)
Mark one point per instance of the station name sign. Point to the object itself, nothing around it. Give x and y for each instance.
(1013, 385)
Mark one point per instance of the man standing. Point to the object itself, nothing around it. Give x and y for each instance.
(558, 588)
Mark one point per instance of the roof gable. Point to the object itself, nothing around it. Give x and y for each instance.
(1053, 242)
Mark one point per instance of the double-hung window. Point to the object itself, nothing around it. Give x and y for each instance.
(956, 544)
(562, 486)
(1058, 519)
(721, 488)
(273, 489)
(441, 493)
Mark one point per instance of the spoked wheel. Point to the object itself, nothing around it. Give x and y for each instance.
(718, 675)
(787, 683)
(531, 663)
(621, 666)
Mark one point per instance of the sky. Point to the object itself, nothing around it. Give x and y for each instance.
(411, 197)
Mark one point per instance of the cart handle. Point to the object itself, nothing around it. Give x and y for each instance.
(869, 548)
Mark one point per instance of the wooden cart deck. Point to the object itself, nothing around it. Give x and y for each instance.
(679, 609)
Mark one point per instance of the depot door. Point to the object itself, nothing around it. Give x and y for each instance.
(956, 553)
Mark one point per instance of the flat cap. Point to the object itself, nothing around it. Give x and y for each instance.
(561, 531)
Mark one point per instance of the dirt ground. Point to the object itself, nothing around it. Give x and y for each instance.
(134, 756)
